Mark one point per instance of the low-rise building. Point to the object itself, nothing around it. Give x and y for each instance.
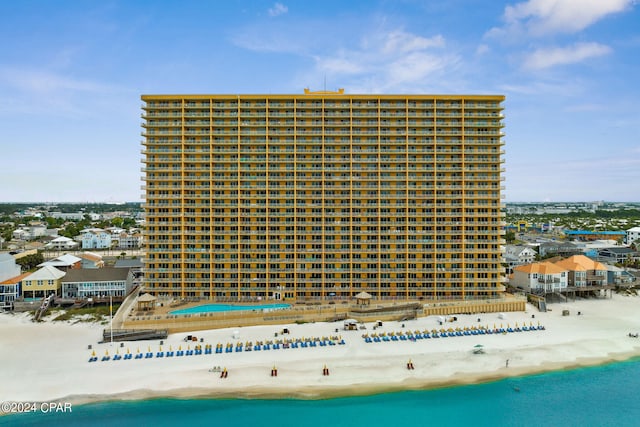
(64, 262)
(540, 277)
(518, 255)
(97, 282)
(584, 271)
(95, 238)
(8, 267)
(617, 255)
(91, 260)
(587, 235)
(10, 291)
(632, 235)
(62, 243)
(619, 276)
(44, 282)
(558, 248)
(30, 232)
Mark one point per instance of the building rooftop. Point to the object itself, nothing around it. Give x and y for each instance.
(540, 268)
(96, 275)
(65, 260)
(47, 272)
(581, 263)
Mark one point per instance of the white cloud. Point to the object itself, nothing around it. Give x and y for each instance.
(482, 49)
(400, 41)
(278, 9)
(390, 59)
(40, 91)
(550, 57)
(40, 82)
(544, 17)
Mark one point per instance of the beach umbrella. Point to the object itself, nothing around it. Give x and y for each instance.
(478, 349)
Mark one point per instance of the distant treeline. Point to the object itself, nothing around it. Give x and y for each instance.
(599, 214)
(11, 208)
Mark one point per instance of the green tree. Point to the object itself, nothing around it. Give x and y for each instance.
(29, 262)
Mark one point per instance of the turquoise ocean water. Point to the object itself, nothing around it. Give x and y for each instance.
(597, 396)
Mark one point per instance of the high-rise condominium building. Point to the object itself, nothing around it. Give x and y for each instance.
(323, 195)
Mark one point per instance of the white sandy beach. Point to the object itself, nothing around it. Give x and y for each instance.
(49, 361)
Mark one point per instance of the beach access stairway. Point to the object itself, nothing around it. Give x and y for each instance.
(46, 302)
(542, 306)
(134, 334)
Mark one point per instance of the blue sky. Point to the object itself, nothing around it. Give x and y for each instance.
(72, 72)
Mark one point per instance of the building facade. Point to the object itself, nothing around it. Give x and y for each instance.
(95, 238)
(632, 235)
(323, 195)
(540, 277)
(42, 283)
(97, 282)
(584, 271)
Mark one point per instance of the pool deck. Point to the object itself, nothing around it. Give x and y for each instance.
(310, 311)
(226, 307)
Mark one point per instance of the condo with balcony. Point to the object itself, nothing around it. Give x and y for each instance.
(323, 195)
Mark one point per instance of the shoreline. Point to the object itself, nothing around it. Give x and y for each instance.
(48, 361)
(355, 390)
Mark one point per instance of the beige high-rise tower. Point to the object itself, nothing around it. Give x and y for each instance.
(323, 195)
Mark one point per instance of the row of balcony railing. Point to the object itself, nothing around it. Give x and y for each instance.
(302, 132)
(427, 245)
(320, 124)
(322, 103)
(351, 140)
(275, 151)
(364, 166)
(315, 112)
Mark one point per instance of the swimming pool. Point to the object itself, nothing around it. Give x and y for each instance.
(218, 308)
